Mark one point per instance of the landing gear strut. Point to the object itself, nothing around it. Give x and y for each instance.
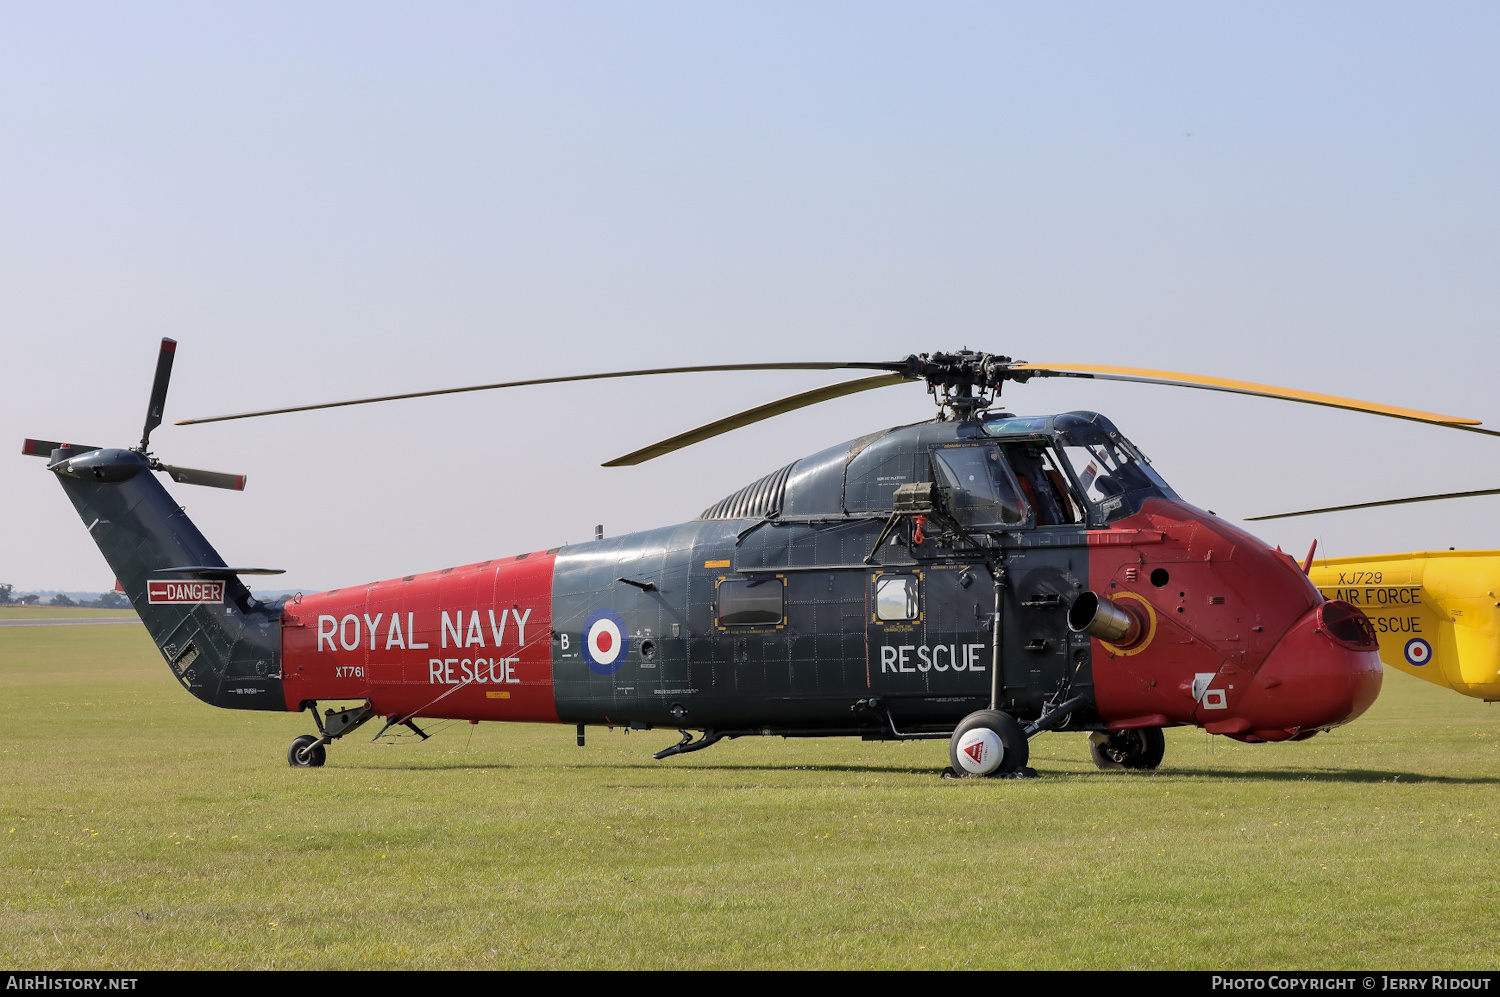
(309, 751)
(708, 739)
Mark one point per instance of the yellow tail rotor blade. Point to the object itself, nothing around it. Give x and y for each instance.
(1179, 379)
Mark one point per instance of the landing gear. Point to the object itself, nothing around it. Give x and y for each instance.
(1141, 748)
(306, 752)
(989, 743)
(708, 739)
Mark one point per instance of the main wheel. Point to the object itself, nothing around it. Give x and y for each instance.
(306, 752)
(1141, 748)
(988, 743)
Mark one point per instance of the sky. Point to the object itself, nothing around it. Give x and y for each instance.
(337, 200)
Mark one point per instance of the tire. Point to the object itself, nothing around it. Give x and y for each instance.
(312, 759)
(1141, 748)
(999, 749)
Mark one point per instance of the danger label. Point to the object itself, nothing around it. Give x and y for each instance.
(189, 591)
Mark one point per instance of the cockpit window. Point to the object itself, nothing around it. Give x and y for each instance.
(981, 492)
(1108, 470)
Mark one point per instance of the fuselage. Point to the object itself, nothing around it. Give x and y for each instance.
(763, 614)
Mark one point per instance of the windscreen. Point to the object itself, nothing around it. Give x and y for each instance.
(1113, 475)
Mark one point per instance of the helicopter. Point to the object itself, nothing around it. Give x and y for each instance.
(979, 578)
(1436, 613)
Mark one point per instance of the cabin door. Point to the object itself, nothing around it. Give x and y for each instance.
(928, 630)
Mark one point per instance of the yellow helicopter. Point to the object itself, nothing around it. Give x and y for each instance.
(1436, 613)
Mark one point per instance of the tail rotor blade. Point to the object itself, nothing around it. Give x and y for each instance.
(194, 476)
(159, 389)
(44, 448)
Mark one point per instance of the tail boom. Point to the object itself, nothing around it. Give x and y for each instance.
(221, 643)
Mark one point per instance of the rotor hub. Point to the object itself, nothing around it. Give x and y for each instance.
(965, 383)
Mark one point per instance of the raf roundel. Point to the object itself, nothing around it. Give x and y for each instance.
(605, 642)
(1418, 651)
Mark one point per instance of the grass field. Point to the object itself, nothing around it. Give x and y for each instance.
(142, 829)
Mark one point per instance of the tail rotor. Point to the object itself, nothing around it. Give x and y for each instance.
(154, 410)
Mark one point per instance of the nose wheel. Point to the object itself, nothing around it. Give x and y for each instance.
(1127, 749)
(306, 752)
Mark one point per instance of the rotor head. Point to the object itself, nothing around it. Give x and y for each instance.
(965, 383)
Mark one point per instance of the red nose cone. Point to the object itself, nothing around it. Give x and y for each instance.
(1324, 672)
(1234, 637)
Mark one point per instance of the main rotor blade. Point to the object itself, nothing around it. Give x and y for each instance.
(760, 412)
(546, 380)
(1376, 505)
(159, 389)
(194, 476)
(1181, 380)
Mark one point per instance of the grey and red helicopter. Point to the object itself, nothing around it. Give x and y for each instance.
(980, 578)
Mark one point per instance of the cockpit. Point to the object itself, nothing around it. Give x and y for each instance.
(1073, 468)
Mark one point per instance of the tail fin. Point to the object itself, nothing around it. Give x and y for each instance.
(222, 644)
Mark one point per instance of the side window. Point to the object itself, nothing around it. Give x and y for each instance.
(897, 598)
(756, 602)
(979, 488)
(1045, 486)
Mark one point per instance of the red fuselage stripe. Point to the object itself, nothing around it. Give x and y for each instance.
(472, 643)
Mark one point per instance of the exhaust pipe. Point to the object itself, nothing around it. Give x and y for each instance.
(1108, 621)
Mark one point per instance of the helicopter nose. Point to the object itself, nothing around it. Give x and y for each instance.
(1325, 671)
